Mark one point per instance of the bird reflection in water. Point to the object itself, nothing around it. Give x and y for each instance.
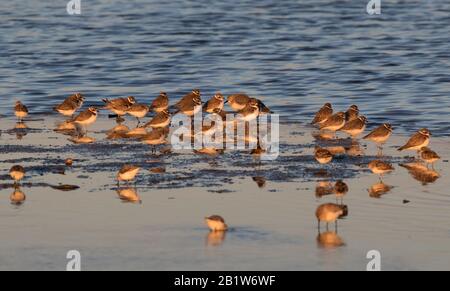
(260, 181)
(18, 197)
(215, 238)
(324, 188)
(20, 130)
(379, 189)
(329, 240)
(129, 195)
(421, 173)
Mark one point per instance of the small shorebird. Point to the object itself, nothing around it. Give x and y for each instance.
(155, 137)
(417, 141)
(323, 114)
(87, 117)
(380, 168)
(355, 127)
(352, 113)
(190, 104)
(329, 213)
(323, 156)
(334, 123)
(238, 101)
(17, 197)
(380, 136)
(216, 223)
(119, 106)
(17, 173)
(429, 156)
(251, 110)
(340, 189)
(161, 120)
(161, 103)
(139, 111)
(127, 173)
(216, 103)
(20, 110)
(70, 105)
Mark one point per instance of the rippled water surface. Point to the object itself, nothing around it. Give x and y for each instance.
(294, 54)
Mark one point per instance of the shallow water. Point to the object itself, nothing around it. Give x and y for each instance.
(294, 54)
(273, 226)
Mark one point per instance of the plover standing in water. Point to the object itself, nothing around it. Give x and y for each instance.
(323, 114)
(340, 190)
(429, 156)
(161, 103)
(355, 127)
(216, 223)
(216, 103)
(139, 111)
(20, 110)
(238, 101)
(334, 123)
(352, 113)
(119, 106)
(251, 111)
(70, 105)
(87, 117)
(190, 104)
(127, 173)
(323, 156)
(380, 168)
(417, 141)
(330, 213)
(17, 173)
(161, 120)
(380, 135)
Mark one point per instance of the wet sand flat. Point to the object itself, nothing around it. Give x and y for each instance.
(269, 206)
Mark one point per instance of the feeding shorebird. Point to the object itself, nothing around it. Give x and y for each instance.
(216, 223)
(139, 111)
(340, 189)
(417, 141)
(380, 168)
(127, 173)
(161, 103)
(352, 113)
(87, 117)
(323, 156)
(355, 127)
(161, 120)
(251, 111)
(238, 101)
(20, 110)
(429, 156)
(380, 135)
(190, 104)
(330, 213)
(70, 105)
(119, 106)
(334, 123)
(216, 103)
(17, 173)
(323, 114)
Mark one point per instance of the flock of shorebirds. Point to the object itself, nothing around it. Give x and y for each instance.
(349, 122)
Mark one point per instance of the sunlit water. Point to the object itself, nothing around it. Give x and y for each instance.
(295, 55)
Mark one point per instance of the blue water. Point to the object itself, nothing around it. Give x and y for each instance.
(296, 55)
